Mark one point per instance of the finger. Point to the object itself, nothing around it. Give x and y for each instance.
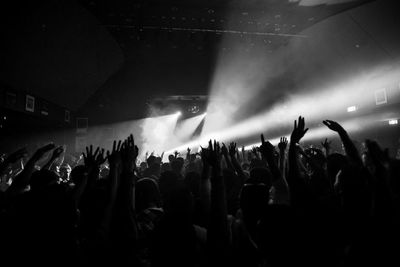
(114, 146)
(119, 145)
(262, 139)
(97, 151)
(91, 149)
(87, 150)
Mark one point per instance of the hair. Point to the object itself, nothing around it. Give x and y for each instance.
(146, 193)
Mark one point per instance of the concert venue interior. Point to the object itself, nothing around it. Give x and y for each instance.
(200, 132)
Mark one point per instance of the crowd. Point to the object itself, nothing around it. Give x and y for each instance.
(273, 206)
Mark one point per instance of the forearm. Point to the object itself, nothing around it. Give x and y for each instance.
(108, 210)
(126, 205)
(294, 181)
(218, 227)
(21, 181)
(282, 162)
(205, 197)
(350, 148)
(277, 176)
(229, 163)
(48, 165)
(238, 169)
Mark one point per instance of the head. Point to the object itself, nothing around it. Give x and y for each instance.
(335, 163)
(78, 174)
(260, 175)
(43, 179)
(151, 160)
(168, 180)
(192, 182)
(147, 194)
(253, 199)
(65, 171)
(177, 165)
(165, 167)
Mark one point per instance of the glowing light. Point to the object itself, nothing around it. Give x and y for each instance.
(351, 109)
(186, 128)
(393, 122)
(158, 133)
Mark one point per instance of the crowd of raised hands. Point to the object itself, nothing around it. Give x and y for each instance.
(271, 206)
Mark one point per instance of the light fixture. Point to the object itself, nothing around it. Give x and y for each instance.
(194, 109)
(393, 122)
(351, 109)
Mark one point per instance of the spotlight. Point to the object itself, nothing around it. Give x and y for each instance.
(351, 109)
(179, 113)
(393, 122)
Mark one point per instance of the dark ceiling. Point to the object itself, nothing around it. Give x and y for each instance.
(201, 23)
(108, 57)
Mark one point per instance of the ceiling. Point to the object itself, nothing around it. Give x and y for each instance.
(85, 55)
(201, 23)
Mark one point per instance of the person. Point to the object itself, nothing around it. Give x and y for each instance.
(273, 206)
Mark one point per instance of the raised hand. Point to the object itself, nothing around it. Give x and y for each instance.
(299, 131)
(378, 156)
(283, 144)
(212, 155)
(224, 150)
(41, 151)
(232, 149)
(176, 153)
(203, 155)
(266, 148)
(188, 150)
(15, 156)
(129, 153)
(114, 157)
(57, 152)
(333, 125)
(254, 149)
(93, 160)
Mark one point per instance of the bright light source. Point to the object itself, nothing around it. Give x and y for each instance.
(351, 109)
(178, 113)
(393, 122)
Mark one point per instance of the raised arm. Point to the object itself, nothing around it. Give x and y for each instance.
(282, 155)
(21, 181)
(125, 207)
(327, 147)
(350, 148)
(56, 154)
(235, 162)
(12, 158)
(297, 187)
(268, 152)
(224, 151)
(217, 232)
